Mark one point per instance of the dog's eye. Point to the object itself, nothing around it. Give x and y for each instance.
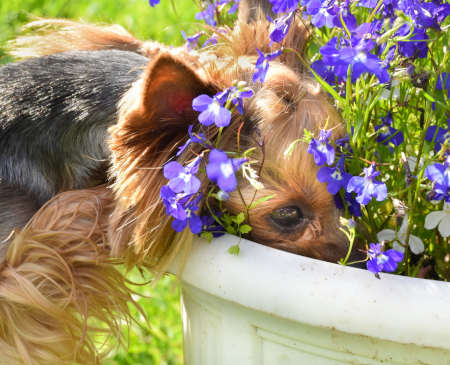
(287, 218)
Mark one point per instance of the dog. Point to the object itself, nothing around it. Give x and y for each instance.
(88, 119)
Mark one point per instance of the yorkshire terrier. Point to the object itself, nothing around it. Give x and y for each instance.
(87, 123)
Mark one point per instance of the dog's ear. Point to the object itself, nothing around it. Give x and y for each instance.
(156, 112)
(166, 92)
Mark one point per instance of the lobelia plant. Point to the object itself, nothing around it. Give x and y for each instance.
(385, 64)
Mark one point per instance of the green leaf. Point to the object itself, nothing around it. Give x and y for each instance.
(230, 230)
(234, 250)
(261, 200)
(245, 228)
(207, 236)
(240, 218)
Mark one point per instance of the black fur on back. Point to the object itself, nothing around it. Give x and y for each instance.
(54, 115)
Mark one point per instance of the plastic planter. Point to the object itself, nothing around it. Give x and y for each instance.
(267, 306)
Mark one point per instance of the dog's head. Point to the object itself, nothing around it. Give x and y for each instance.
(155, 115)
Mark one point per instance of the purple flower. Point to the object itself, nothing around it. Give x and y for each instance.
(173, 202)
(153, 2)
(207, 15)
(388, 134)
(321, 149)
(192, 41)
(367, 187)
(411, 49)
(439, 175)
(283, 6)
(212, 111)
(194, 221)
(221, 170)
(233, 8)
(354, 207)
(324, 71)
(193, 138)
(443, 82)
(336, 177)
(262, 64)
(236, 96)
(382, 261)
(438, 135)
(209, 224)
(355, 54)
(182, 179)
(323, 13)
(281, 27)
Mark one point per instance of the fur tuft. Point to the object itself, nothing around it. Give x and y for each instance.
(52, 36)
(61, 296)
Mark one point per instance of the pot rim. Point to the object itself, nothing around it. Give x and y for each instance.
(318, 293)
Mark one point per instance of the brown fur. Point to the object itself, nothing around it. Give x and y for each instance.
(58, 279)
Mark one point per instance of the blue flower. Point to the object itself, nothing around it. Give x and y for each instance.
(283, 6)
(354, 207)
(212, 111)
(233, 8)
(438, 135)
(321, 149)
(443, 82)
(412, 49)
(173, 202)
(324, 71)
(182, 179)
(367, 187)
(207, 15)
(382, 261)
(439, 174)
(262, 64)
(221, 170)
(236, 96)
(336, 177)
(355, 54)
(388, 134)
(192, 41)
(194, 221)
(153, 2)
(193, 138)
(209, 224)
(281, 27)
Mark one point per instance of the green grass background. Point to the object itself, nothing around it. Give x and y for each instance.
(159, 342)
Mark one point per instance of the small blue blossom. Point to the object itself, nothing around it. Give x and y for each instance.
(182, 179)
(367, 187)
(209, 224)
(412, 49)
(192, 41)
(262, 64)
(382, 261)
(236, 96)
(194, 221)
(336, 177)
(281, 27)
(354, 207)
(234, 6)
(387, 134)
(443, 82)
(438, 135)
(173, 202)
(208, 15)
(439, 175)
(193, 138)
(324, 71)
(221, 170)
(321, 149)
(153, 2)
(212, 111)
(355, 54)
(283, 6)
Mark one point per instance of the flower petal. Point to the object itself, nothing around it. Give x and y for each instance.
(386, 235)
(444, 226)
(433, 219)
(416, 245)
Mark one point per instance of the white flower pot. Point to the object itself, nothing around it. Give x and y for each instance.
(267, 306)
